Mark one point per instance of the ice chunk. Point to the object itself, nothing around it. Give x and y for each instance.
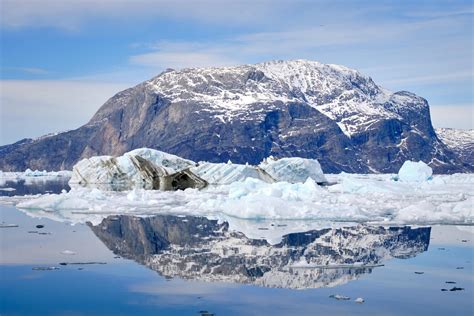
(294, 169)
(221, 173)
(36, 173)
(415, 172)
(68, 252)
(358, 198)
(340, 297)
(171, 162)
(138, 168)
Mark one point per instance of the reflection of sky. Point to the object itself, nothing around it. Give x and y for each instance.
(125, 287)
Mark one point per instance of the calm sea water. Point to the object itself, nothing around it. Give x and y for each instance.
(168, 265)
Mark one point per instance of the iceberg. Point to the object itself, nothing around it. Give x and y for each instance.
(141, 168)
(29, 176)
(227, 173)
(284, 189)
(152, 169)
(293, 170)
(365, 198)
(412, 171)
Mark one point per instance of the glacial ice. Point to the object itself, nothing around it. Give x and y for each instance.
(122, 172)
(227, 173)
(412, 171)
(248, 196)
(30, 176)
(355, 198)
(293, 169)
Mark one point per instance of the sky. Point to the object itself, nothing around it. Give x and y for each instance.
(61, 60)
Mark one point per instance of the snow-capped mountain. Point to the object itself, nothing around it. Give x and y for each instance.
(459, 141)
(199, 248)
(246, 113)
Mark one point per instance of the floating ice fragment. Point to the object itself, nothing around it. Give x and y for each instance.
(359, 300)
(340, 297)
(68, 252)
(293, 170)
(415, 172)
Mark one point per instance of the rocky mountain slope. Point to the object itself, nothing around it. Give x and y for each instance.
(202, 249)
(461, 142)
(246, 113)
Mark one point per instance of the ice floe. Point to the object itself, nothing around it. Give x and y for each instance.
(30, 176)
(356, 198)
(276, 190)
(294, 169)
(150, 169)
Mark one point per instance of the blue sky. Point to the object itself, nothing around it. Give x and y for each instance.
(60, 60)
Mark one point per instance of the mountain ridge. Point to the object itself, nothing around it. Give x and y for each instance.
(246, 113)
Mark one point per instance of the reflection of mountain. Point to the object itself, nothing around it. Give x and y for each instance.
(199, 248)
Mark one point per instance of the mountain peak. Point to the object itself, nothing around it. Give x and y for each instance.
(340, 93)
(245, 113)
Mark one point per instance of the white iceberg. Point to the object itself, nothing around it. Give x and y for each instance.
(143, 168)
(415, 172)
(153, 169)
(226, 173)
(29, 176)
(293, 170)
(447, 201)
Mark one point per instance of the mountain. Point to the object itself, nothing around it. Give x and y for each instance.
(249, 112)
(202, 249)
(461, 142)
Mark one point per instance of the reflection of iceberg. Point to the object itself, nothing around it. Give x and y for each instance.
(203, 249)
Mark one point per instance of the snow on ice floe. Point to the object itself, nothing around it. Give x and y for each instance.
(227, 173)
(356, 198)
(285, 189)
(30, 176)
(293, 170)
(415, 171)
(126, 172)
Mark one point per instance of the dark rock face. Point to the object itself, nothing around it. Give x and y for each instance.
(198, 248)
(246, 113)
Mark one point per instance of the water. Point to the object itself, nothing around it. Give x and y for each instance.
(170, 265)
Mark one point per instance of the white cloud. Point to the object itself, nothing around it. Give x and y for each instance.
(434, 78)
(454, 116)
(73, 14)
(31, 108)
(179, 59)
(29, 70)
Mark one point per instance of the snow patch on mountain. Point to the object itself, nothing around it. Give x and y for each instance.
(341, 93)
(458, 140)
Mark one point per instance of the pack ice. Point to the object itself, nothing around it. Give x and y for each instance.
(140, 168)
(277, 189)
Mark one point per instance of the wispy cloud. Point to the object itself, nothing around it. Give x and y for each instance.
(184, 55)
(29, 70)
(73, 14)
(433, 78)
(420, 52)
(39, 107)
(453, 115)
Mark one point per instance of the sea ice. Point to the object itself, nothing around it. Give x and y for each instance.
(124, 172)
(226, 173)
(294, 169)
(30, 176)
